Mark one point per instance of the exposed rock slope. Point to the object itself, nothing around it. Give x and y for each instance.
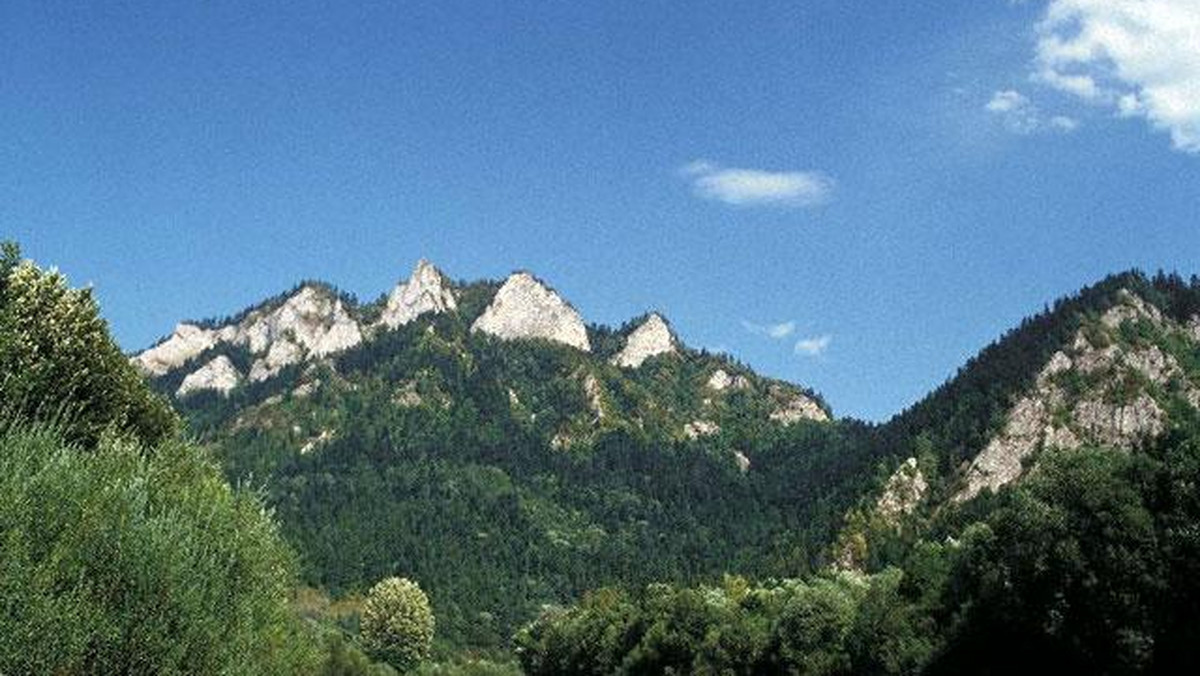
(425, 291)
(219, 375)
(1099, 389)
(311, 322)
(652, 338)
(525, 308)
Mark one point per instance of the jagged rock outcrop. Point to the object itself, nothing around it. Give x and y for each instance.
(185, 343)
(903, 492)
(219, 375)
(653, 337)
(525, 308)
(407, 395)
(317, 442)
(311, 322)
(315, 319)
(794, 407)
(426, 291)
(701, 428)
(1053, 415)
(720, 381)
(595, 396)
(281, 353)
(743, 462)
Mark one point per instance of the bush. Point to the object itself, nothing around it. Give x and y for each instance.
(397, 623)
(130, 559)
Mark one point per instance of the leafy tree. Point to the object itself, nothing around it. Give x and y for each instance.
(58, 362)
(397, 623)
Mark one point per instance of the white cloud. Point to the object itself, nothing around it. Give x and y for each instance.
(773, 331)
(1022, 116)
(1139, 57)
(812, 347)
(1007, 101)
(757, 187)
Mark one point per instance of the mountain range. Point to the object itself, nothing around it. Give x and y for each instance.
(487, 425)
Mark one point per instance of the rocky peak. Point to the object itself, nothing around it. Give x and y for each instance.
(315, 319)
(311, 322)
(525, 308)
(219, 375)
(187, 341)
(653, 337)
(425, 291)
(904, 491)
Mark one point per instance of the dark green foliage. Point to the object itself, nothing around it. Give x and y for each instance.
(57, 361)
(469, 474)
(835, 624)
(1090, 566)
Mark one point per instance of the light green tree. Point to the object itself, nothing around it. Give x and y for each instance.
(58, 362)
(397, 623)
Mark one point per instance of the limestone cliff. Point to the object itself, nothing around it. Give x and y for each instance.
(652, 338)
(219, 375)
(524, 308)
(426, 291)
(1100, 389)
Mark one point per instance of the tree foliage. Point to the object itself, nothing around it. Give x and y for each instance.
(397, 623)
(125, 559)
(58, 362)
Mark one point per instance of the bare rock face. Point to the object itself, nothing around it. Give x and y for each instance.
(794, 407)
(1121, 426)
(524, 308)
(1048, 417)
(1194, 328)
(219, 375)
(652, 338)
(186, 342)
(282, 353)
(904, 491)
(407, 395)
(742, 461)
(316, 321)
(595, 396)
(425, 291)
(1130, 307)
(700, 428)
(720, 381)
(310, 323)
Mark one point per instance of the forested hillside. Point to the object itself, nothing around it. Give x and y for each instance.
(539, 469)
(545, 458)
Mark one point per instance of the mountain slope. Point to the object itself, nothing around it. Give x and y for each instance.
(493, 429)
(1117, 365)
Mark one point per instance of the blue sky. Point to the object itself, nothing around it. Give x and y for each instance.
(853, 195)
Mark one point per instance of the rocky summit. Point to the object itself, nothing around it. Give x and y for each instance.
(525, 308)
(311, 322)
(425, 291)
(650, 339)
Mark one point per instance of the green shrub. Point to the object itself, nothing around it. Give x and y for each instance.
(128, 559)
(397, 623)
